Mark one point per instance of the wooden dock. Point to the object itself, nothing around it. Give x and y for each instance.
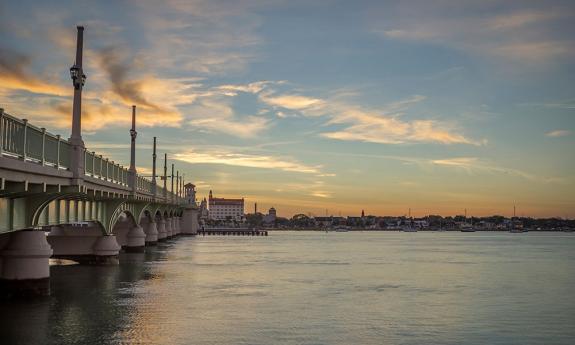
(232, 232)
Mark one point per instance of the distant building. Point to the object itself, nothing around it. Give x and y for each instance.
(204, 212)
(224, 209)
(270, 218)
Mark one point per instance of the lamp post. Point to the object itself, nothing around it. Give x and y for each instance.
(132, 170)
(78, 81)
(177, 184)
(165, 177)
(154, 183)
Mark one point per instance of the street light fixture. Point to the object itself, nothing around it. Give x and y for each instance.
(78, 76)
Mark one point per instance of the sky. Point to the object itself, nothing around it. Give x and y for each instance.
(316, 107)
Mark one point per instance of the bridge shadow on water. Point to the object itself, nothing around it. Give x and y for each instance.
(88, 305)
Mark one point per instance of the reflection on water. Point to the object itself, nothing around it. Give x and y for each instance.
(314, 288)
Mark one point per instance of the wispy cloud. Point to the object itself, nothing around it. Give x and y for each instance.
(247, 160)
(214, 114)
(558, 133)
(321, 194)
(201, 36)
(290, 101)
(375, 128)
(254, 87)
(474, 164)
(467, 163)
(525, 34)
(384, 126)
(16, 74)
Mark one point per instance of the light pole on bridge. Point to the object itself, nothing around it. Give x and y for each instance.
(132, 171)
(154, 189)
(165, 176)
(78, 81)
(172, 182)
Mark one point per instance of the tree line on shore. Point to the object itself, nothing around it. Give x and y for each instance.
(495, 222)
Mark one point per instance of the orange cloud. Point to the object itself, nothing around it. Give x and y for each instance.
(15, 74)
(246, 160)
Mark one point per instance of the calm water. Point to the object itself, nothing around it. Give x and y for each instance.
(314, 288)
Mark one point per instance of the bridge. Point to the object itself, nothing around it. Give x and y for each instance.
(61, 200)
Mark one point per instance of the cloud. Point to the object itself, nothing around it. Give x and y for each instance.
(377, 127)
(383, 125)
(292, 102)
(246, 160)
(16, 74)
(467, 163)
(214, 114)
(97, 113)
(198, 36)
(129, 91)
(254, 87)
(474, 164)
(558, 133)
(321, 194)
(528, 35)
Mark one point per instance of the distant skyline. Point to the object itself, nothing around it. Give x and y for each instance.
(437, 106)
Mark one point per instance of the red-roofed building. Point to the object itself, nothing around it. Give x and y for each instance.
(223, 209)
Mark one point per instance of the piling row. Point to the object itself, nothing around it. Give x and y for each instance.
(232, 232)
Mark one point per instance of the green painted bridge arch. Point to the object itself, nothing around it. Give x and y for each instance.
(51, 209)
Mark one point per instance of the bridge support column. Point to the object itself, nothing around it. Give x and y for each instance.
(162, 234)
(136, 240)
(25, 265)
(189, 221)
(177, 225)
(85, 245)
(106, 251)
(151, 234)
(169, 231)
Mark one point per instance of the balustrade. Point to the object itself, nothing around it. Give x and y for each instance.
(22, 140)
(19, 139)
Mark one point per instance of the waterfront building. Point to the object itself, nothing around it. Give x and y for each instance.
(225, 209)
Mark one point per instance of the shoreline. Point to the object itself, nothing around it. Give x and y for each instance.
(426, 230)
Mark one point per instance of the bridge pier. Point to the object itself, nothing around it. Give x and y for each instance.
(174, 229)
(189, 221)
(162, 234)
(25, 268)
(151, 233)
(135, 240)
(106, 251)
(177, 225)
(85, 245)
(169, 231)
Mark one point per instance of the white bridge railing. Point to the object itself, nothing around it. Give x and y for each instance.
(104, 169)
(21, 140)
